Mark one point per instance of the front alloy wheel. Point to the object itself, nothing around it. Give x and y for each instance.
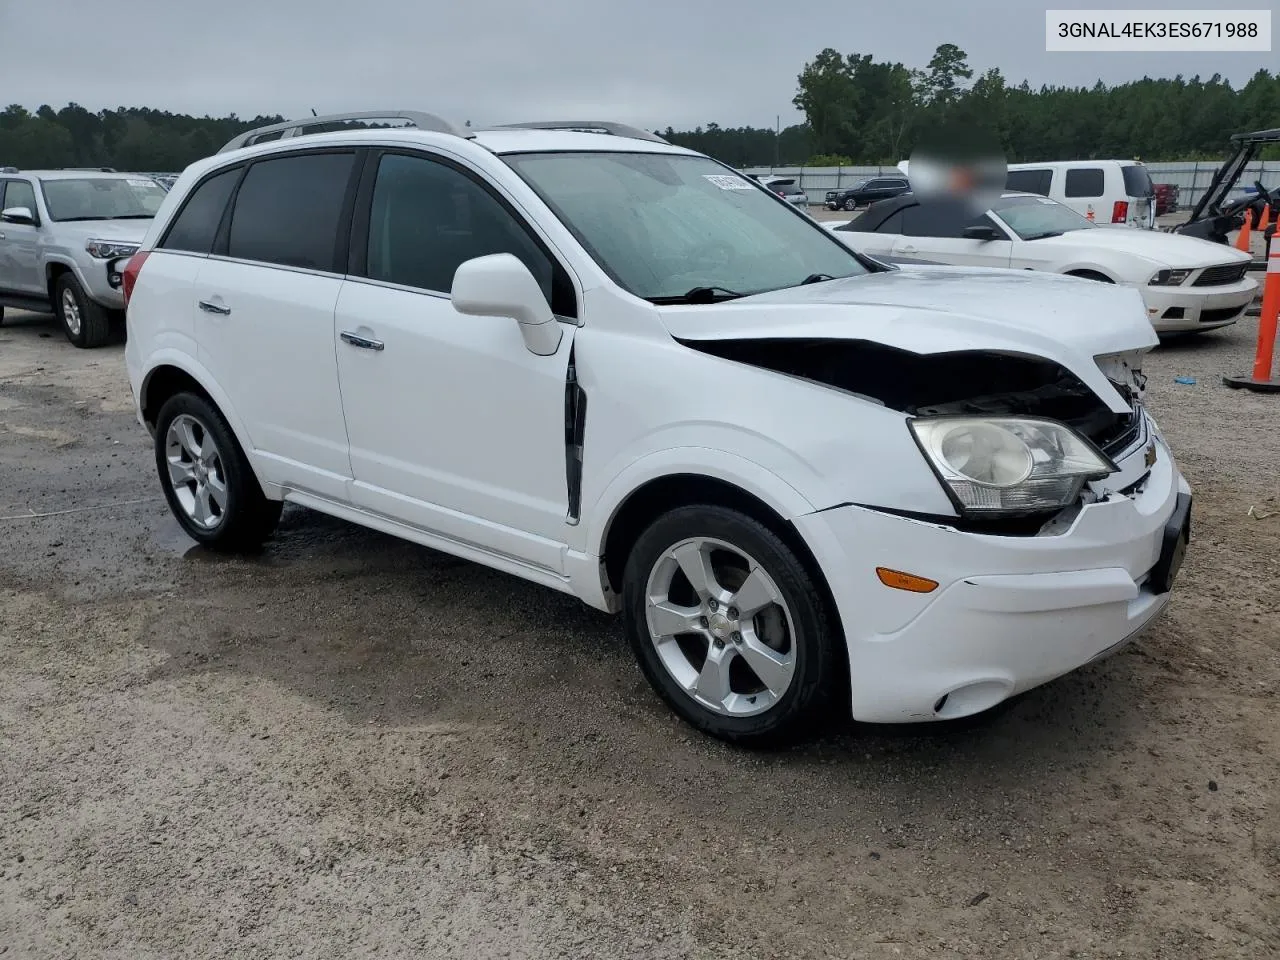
(720, 627)
(728, 625)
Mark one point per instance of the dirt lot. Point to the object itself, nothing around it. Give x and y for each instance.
(354, 747)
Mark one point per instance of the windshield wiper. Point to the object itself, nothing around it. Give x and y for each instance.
(1044, 236)
(76, 219)
(816, 278)
(134, 216)
(701, 295)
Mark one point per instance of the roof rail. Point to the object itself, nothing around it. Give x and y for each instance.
(91, 169)
(587, 126)
(298, 128)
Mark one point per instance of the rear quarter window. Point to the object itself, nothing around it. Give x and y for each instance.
(197, 222)
(1137, 182)
(1084, 182)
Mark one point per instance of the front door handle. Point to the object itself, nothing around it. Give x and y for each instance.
(209, 306)
(363, 342)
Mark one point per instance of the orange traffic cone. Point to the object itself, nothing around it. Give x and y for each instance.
(1265, 220)
(1242, 241)
(1261, 381)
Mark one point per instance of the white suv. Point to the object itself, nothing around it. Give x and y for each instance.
(620, 369)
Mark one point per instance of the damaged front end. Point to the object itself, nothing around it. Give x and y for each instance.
(978, 386)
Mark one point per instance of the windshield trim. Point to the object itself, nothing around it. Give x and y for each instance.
(868, 264)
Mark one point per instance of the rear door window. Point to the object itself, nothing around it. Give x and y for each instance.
(197, 223)
(1084, 182)
(288, 210)
(1029, 181)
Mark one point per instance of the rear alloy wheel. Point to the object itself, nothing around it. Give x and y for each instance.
(207, 480)
(85, 323)
(728, 626)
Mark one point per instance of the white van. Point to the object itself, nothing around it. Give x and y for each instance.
(1108, 192)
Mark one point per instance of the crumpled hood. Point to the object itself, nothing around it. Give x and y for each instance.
(1167, 249)
(928, 309)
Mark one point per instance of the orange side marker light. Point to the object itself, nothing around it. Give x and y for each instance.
(905, 581)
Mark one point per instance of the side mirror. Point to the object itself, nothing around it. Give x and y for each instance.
(981, 231)
(499, 285)
(18, 215)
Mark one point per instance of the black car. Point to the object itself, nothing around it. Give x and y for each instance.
(867, 191)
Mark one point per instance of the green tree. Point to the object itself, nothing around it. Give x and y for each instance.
(946, 69)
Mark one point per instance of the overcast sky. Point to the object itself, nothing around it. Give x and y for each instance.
(654, 63)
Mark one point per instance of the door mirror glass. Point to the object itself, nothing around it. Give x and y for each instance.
(981, 231)
(500, 285)
(17, 215)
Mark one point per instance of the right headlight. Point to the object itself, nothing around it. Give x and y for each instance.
(1169, 278)
(1009, 465)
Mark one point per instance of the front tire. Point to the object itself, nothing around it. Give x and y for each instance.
(210, 486)
(86, 324)
(851, 205)
(728, 626)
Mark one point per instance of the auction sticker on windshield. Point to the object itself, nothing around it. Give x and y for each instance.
(728, 183)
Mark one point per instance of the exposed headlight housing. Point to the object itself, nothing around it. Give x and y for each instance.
(110, 249)
(1169, 278)
(994, 466)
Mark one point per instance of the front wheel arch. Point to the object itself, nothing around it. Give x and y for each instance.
(663, 494)
(1097, 275)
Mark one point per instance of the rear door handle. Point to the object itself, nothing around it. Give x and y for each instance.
(364, 343)
(209, 306)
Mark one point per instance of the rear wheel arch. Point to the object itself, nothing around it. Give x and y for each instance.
(162, 383)
(172, 375)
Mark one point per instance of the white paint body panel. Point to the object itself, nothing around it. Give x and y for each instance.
(1128, 257)
(454, 434)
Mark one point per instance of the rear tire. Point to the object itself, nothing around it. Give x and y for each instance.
(86, 324)
(210, 486)
(749, 653)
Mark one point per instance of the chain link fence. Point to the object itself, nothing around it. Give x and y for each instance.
(1191, 178)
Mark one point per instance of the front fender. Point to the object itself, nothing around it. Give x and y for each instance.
(60, 259)
(745, 474)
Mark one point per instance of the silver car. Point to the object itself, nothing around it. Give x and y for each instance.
(65, 236)
(788, 188)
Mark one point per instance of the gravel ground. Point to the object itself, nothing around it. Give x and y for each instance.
(353, 747)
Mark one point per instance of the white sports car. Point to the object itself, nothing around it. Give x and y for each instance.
(1188, 284)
